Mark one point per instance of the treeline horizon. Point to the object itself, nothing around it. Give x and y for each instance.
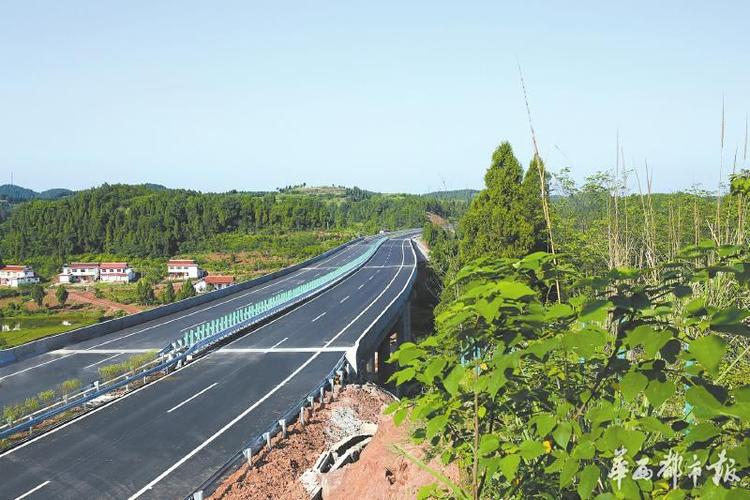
(141, 221)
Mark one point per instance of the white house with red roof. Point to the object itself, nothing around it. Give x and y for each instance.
(79, 272)
(15, 275)
(89, 272)
(116, 272)
(184, 269)
(214, 282)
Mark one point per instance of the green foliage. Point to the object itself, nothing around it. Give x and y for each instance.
(47, 396)
(168, 296)
(504, 218)
(140, 221)
(69, 386)
(61, 294)
(186, 290)
(538, 398)
(112, 371)
(145, 293)
(37, 295)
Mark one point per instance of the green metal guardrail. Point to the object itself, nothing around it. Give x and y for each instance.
(215, 329)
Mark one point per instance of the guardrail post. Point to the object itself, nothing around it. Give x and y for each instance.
(311, 400)
(322, 394)
(198, 495)
(333, 388)
(96, 385)
(282, 423)
(302, 415)
(267, 436)
(248, 453)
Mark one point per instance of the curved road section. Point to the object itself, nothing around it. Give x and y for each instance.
(165, 439)
(28, 377)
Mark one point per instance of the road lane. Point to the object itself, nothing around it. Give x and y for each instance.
(28, 377)
(134, 446)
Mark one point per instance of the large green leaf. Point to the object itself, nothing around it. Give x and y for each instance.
(632, 384)
(531, 449)
(657, 392)
(650, 338)
(562, 433)
(453, 379)
(704, 402)
(587, 480)
(701, 432)
(708, 351)
(509, 465)
(514, 289)
(595, 310)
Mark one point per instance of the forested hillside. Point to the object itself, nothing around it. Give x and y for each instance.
(614, 366)
(17, 194)
(141, 221)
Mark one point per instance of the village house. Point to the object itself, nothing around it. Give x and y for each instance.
(116, 272)
(15, 276)
(79, 272)
(184, 269)
(89, 272)
(214, 282)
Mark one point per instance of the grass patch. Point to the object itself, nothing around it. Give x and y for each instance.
(37, 326)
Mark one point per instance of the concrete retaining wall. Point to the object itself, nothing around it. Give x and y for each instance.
(61, 340)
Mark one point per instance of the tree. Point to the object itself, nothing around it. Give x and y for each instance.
(168, 296)
(37, 294)
(531, 398)
(497, 222)
(186, 290)
(62, 295)
(145, 293)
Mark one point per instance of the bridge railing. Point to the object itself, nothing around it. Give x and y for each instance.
(206, 334)
(340, 370)
(181, 351)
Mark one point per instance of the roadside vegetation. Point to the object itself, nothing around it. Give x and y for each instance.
(241, 234)
(613, 364)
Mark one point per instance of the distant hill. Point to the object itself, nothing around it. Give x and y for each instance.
(17, 194)
(456, 194)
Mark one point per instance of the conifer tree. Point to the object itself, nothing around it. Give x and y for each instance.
(499, 222)
(168, 296)
(186, 291)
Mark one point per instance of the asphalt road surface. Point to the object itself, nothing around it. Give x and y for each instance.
(165, 439)
(28, 377)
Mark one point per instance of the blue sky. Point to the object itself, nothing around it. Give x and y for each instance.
(390, 96)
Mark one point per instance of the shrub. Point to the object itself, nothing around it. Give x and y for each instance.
(46, 396)
(539, 398)
(69, 386)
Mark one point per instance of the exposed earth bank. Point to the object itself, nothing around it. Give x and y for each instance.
(380, 472)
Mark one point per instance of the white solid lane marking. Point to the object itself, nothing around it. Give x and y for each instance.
(270, 393)
(33, 490)
(343, 251)
(102, 360)
(193, 397)
(344, 299)
(316, 318)
(277, 344)
(108, 351)
(360, 286)
(262, 350)
(35, 366)
(192, 326)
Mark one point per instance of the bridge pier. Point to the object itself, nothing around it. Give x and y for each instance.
(404, 325)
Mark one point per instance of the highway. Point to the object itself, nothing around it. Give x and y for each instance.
(165, 439)
(28, 377)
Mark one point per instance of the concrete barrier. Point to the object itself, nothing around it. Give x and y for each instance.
(54, 342)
